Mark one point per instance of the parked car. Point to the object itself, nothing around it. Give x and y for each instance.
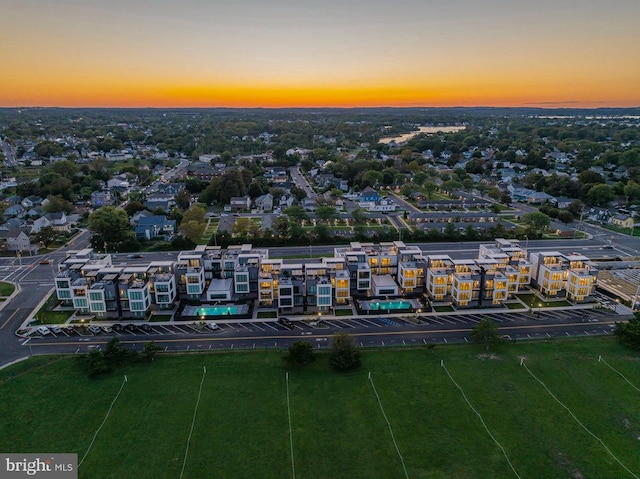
(69, 330)
(286, 322)
(145, 327)
(132, 328)
(212, 326)
(117, 327)
(55, 329)
(43, 330)
(95, 329)
(107, 329)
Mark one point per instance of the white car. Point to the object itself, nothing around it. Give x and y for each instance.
(107, 329)
(43, 330)
(213, 326)
(95, 329)
(55, 329)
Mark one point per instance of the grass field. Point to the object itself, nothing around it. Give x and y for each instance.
(6, 289)
(338, 430)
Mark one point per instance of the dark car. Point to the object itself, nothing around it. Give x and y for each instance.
(117, 327)
(286, 322)
(145, 327)
(70, 330)
(132, 328)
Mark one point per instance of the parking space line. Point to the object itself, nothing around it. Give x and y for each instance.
(269, 326)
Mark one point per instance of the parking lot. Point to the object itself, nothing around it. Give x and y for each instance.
(348, 324)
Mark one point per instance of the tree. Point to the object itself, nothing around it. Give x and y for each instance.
(115, 352)
(245, 228)
(300, 353)
(326, 212)
(192, 230)
(296, 212)
(359, 216)
(150, 349)
(600, 195)
(46, 236)
(111, 227)
(632, 191)
(95, 363)
(536, 220)
(57, 204)
(629, 333)
(183, 199)
(344, 354)
(565, 216)
(486, 333)
(321, 232)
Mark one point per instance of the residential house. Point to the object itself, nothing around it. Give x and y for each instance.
(31, 202)
(15, 239)
(39, 223)
(264, 202)
(241, 203)
(623, 221)
(155, 226)
(14, 210)
(101, 198)
(562, 202)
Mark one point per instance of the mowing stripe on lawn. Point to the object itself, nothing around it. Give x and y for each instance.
(522, 363)
(504, 453)
(406, 474)
(193, 421)
(601, 359)
(103, 421)
(293, 464)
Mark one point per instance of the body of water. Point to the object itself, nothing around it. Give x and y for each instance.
(428, 130)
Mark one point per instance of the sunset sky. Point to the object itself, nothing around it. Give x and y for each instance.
(280, 53)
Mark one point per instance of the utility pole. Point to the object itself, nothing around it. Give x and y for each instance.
(580, 224)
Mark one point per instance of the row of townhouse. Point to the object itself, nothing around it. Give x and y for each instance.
(207, 274)
(502, 269)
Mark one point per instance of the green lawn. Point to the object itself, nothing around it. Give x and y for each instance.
(242, 430)
(514, 305)
(52, 317)
(157, 318)
(267, 314)
(6, 288)
(443, 309)
(533, 301)
(344, 312)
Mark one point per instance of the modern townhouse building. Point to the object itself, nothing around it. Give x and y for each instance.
(556, 274)
(209, 274)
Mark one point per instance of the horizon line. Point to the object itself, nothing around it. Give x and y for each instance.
(541, 106)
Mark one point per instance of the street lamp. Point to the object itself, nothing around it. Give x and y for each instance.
(539, 306)
(526, 243)
(617, 304)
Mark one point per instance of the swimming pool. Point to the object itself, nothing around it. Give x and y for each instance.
(218, 310)
(390, 305)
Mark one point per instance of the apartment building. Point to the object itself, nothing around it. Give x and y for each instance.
(556, 274)
(93, 285)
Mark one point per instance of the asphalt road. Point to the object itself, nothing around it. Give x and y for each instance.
(437, 329)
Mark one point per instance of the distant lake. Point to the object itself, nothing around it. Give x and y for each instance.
(429, 130)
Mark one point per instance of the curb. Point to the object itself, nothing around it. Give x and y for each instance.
(37, 307)
(13, 362)
(16, 290)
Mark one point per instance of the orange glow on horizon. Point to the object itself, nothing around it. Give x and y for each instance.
(441, 94)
